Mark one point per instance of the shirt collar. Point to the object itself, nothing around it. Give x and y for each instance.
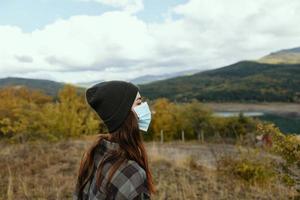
(108, 145)
(104, 147)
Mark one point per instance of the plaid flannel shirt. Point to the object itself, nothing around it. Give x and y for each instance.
(128, 182)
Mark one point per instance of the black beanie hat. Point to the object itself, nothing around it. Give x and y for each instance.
(112, 101)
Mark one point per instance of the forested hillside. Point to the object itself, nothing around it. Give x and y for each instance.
(47, 86)
(243, 82)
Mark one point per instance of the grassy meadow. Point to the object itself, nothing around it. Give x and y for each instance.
(182, 170)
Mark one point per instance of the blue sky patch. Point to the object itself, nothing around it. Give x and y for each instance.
(35, 14)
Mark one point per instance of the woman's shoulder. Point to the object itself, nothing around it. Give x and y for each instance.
(131, 164)
(130, 180)
(131, 170)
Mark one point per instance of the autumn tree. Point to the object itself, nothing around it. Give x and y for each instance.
(16, 104)
(182, 122)
(163, 119)
(70, 116)
(27, 114)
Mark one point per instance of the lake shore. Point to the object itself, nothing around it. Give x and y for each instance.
(290, 109)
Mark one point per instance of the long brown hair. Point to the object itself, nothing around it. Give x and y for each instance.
(131, 148)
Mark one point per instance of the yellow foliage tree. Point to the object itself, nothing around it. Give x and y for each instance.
(15, 102)
(163, 119)
(69, 116)
(29, 114)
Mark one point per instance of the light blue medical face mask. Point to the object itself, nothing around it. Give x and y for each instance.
(144, 116)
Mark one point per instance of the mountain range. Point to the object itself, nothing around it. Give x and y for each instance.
(245, 81)
(147, 78)
(275, 77)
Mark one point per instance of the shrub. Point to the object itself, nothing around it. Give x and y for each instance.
(253, 172)
(287, 146)
(288, 180)
(250, 171)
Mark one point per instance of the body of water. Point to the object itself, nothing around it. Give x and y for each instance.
(286, 124)
(236, 114)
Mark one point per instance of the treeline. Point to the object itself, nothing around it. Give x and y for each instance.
(27, 114)
(178, 121)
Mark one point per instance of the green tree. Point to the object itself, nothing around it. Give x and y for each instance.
(198, 117)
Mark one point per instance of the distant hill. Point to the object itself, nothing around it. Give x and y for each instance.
(246, 81)
(52, 87)
(87, 84)
(146, 78)
(288, 56)
(152, 78)
(49, 87)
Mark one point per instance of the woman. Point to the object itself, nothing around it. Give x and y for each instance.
(116, 165)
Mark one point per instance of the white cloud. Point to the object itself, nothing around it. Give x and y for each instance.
(131, 6)
(248, 25)
(118, 45)
(114, 39)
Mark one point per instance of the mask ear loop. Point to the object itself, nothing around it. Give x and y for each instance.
(135, 114)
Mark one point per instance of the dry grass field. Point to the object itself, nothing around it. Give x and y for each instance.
(41, 170)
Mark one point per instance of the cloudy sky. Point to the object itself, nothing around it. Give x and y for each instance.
(88, 40)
